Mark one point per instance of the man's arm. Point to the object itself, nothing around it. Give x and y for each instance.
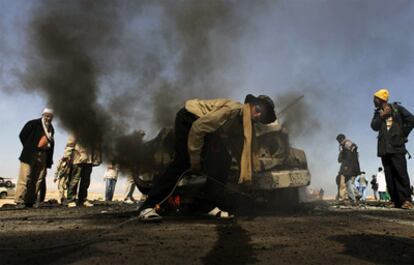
(340, 157)
(376, 122)
(200, 128)
(25, 132)
(408, 120)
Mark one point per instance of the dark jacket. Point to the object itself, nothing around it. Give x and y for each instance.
(393, 141)
(30, 137)
(349, 159)
(374, 184)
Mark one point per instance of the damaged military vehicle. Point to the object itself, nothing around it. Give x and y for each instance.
(280, 175)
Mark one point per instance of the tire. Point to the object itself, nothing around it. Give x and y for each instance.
(3, 195)
(9, 184)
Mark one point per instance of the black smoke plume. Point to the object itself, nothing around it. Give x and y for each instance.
(105, 75)
(64, 65)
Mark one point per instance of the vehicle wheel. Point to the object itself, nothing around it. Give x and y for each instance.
(9, 184)
(3, 195)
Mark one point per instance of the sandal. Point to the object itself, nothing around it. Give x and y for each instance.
(390, 205)
(216, 212)
(407, 205)
(149, 215)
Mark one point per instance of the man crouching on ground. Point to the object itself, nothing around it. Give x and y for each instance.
(393, 124)
(230, 120)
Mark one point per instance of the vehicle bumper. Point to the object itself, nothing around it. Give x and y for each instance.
(281, 179)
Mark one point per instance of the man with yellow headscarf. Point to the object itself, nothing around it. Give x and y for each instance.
(229, 121)
(393, 124)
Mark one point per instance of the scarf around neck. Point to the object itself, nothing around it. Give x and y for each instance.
(48, 133)
(246, 165)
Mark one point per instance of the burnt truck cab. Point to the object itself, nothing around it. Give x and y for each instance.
(281, 166)
(281, 171)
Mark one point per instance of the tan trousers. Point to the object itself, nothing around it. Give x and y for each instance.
(62, 187)
(343, 194)
(31, 177)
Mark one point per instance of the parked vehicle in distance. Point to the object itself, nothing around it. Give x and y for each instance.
(7, 183)
(3, 193)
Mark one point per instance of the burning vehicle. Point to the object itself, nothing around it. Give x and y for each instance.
(278, 178)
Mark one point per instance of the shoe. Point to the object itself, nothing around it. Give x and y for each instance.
(20, 205)
(149, 215)
(87, 204)
(216, 212)
(72, 204)
(407, 205)
(390, 205)
(28, 205)
(129, 201)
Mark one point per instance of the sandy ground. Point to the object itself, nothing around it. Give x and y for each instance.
(55, 196)
(315, 233)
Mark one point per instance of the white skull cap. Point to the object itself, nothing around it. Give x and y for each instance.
(47, 110)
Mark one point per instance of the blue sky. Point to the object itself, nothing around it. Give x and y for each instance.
(336, 53)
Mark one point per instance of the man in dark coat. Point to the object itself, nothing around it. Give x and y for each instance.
(349, 160)
(393, 124)
(374, 186)
(37, 155)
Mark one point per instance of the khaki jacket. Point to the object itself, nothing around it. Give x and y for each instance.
(80, 154)
(213, 114)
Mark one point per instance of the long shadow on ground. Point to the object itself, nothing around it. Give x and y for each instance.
(378, 249)
(232, 247)
(57, 247)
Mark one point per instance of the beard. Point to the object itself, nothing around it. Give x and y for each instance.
(47, 123)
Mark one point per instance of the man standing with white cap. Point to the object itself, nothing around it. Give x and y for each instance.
(37, 155)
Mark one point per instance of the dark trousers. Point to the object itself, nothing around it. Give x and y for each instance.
(164, 184)
(81, 174)
(396, 175)
(216, 165)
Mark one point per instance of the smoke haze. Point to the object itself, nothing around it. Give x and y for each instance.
(120, 66)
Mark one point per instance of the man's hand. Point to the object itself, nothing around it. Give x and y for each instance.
(385, 112)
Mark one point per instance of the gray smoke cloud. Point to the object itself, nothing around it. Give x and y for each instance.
(97, 68)
(296, 114)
